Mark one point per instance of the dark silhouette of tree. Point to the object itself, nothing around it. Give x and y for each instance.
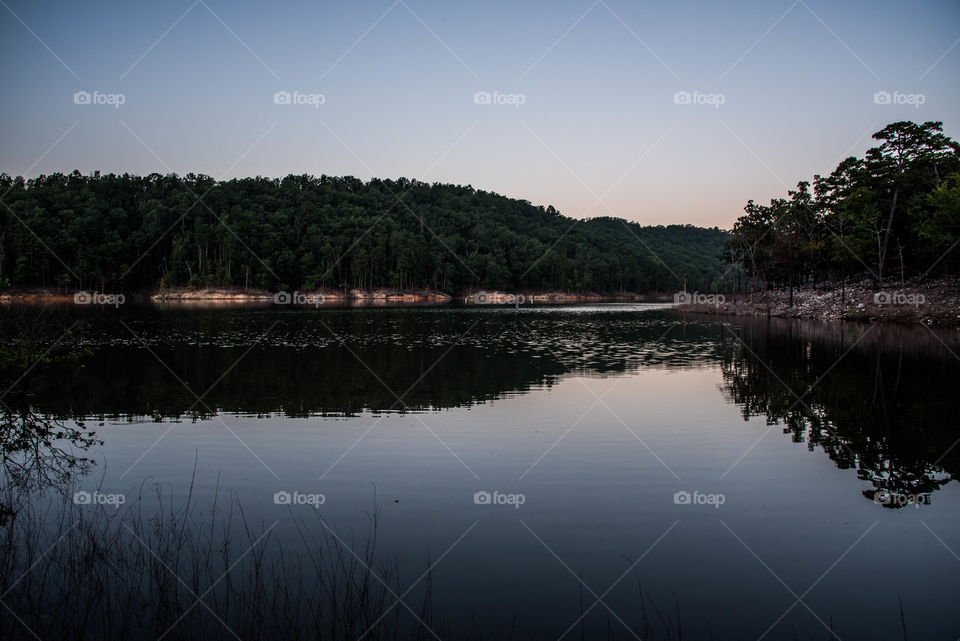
(895, 211)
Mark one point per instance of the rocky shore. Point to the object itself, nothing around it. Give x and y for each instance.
(304, 297)
(231, 295)
(497, 297)
(935, 303)
(236, 295)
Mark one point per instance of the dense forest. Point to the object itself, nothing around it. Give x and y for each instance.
(892, 215)
(140, 233)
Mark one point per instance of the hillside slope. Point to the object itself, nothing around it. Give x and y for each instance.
(302, 232)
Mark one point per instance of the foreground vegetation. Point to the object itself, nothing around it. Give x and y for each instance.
(162, 570)
(144, 233)
(175, 572)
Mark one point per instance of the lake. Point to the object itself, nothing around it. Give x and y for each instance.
(594, 471)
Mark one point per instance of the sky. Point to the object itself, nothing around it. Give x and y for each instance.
(658, 112)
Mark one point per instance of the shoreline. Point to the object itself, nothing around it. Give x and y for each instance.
(242, 296)
(323, 295)
(935, 303)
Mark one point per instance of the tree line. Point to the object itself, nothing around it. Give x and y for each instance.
(134, 233)
(892, 215)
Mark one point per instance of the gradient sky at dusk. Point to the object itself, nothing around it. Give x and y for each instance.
(598, 133)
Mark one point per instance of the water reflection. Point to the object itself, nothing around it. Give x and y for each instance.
(341, 362)
(39, 451)
(876, 399)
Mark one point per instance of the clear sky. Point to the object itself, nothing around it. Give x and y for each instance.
(583, 112)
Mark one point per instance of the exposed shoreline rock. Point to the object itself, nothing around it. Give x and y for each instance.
(213, 294)
(316, 296)
(36, 296)
(935, 303)
(236, 295)
(499, 297)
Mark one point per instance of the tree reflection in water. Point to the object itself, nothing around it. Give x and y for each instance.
(874, 398)
(39, 452)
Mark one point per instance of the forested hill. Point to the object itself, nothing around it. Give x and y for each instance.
(135, 233)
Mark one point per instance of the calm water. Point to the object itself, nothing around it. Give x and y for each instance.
(755, 478)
